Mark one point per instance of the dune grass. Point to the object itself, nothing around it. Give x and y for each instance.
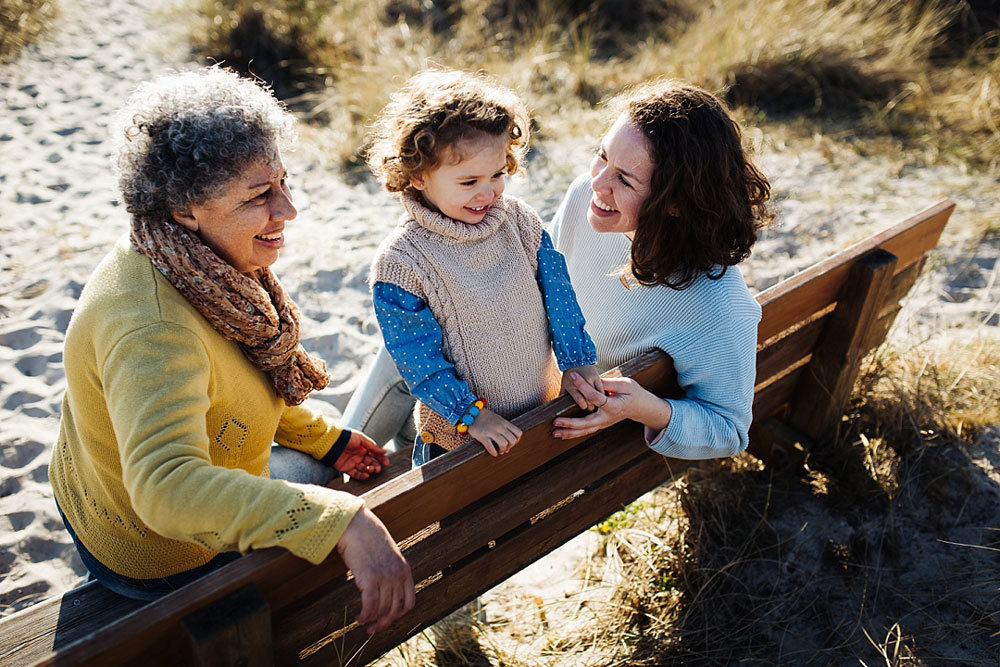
(923, 74)
(22, 22)
(731, 578)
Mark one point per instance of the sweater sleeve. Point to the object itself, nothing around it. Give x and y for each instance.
(415, 342)
(716, 366)
(570, 341)
(309, 432)
(157, 387)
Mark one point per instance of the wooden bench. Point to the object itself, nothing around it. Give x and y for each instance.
(502, 514)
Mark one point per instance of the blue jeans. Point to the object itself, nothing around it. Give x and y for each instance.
(424, 452)
(285, 464)
(382, 407)
(141, 589)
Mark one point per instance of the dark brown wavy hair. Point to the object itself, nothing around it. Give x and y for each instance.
(437, 110)
(707, 200)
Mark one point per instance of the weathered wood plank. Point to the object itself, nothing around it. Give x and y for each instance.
(775, 358)
(795, 299)
(770, 399)
(830, 375)
(234, 630)
(483, 521)
(58, 622)
(511, 553)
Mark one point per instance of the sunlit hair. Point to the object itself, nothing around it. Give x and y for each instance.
(433, 114)
(184, 136)
(707, 200)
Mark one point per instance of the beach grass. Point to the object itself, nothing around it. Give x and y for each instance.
(23, 22)
(922, 75)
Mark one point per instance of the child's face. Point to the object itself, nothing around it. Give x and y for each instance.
(468, 180)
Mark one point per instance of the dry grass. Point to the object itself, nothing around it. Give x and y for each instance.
(923, 74)
(22, 22)
(832, 566)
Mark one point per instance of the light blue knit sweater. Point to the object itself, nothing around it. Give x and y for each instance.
(709, 329)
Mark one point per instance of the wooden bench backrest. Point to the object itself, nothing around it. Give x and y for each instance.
(500, 514)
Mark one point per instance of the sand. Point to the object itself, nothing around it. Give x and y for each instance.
(59, 215)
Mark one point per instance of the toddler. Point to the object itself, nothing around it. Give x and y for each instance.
(471, 296)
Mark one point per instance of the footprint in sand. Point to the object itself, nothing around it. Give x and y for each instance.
(40, 474)
(19, 399)
(9, 487)
(19, 454)
(45, 548)
(21, 339)
(19, 520)
(24, 596)
(36, 364)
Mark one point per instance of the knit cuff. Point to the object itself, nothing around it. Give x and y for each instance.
(330, 458)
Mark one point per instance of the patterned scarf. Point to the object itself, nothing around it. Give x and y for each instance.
(251, 309)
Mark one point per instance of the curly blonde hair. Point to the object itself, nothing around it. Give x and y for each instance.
(435, 111)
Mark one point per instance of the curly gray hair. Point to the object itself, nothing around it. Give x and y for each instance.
(186, 135)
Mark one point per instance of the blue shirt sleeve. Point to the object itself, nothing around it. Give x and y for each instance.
(571, 343)
(415, 342)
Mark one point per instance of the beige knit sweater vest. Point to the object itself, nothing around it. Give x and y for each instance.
(480, 283)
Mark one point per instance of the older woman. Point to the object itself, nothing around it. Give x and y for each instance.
(651, 238)
(183, 365)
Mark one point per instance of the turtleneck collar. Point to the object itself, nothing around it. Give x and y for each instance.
(453, 230)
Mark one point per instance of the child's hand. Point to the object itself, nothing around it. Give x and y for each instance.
(590, 375)
(494, 433)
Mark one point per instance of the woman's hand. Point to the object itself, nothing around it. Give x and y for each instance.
(380, 572)
(361, 458)
(592, 377)
(494, 433)
(624, 399)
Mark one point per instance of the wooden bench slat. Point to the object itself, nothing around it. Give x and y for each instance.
(55, 623)
(511, 554)
(826, 386)
(795, 299)
(484, 520)
(794, 349)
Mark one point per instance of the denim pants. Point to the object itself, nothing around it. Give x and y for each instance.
(382, 407)
(424, 452)
(284, 464)
(141, 589)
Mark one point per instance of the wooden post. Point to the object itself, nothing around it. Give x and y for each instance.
(826, 386)
(233, 631)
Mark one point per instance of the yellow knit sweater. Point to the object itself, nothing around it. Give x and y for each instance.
(166, 431)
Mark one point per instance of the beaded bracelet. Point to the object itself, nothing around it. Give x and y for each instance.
(470, 416)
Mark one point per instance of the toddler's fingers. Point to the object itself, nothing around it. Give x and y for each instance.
(591, 392)
(577, 397)
(490, 448)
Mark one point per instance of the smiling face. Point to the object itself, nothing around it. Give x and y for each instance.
(620, 176)
(244, 226)
(468, 181)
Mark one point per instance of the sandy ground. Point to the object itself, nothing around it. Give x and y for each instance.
(59, 215)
